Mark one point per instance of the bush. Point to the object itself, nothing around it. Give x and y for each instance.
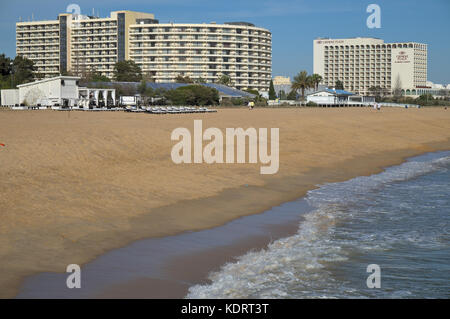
(193, 95)
(237, 101)
(310, 103)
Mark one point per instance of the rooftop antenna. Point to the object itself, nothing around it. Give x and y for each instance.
(98, 14)
(32, 16)
(93, 12)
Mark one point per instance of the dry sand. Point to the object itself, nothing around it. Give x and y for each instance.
(75, 185)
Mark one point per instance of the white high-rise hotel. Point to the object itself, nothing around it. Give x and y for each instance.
(362, 63)
(78, 43)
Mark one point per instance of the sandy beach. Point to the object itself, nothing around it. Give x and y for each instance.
(74, 185)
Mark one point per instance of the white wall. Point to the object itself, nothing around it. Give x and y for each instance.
(10, 97)
(321, 99)
(48, 92)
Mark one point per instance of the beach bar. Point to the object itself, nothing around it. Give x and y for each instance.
(333, 97)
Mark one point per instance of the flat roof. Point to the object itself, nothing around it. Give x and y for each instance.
(61, 77)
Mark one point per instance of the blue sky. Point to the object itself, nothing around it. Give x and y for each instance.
(294, 23)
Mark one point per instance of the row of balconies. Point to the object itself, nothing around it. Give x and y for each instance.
(42, 56)
(168, 43)
(236, 73)
(243, 78)
(196, 38)
(362, 70)
(26, 29)
(33, 43)
(199, 45)
(47, 69)
(341, 49)
(166, 30)
(90, 35)
(358, 60)
(204, 53)
(93, 33)
(146, 66)
(97, 53)
(362, 56)
(36, 49)
(358, 79)
(94, 61)
(356, 72)
(358, 65)
(200, 61)
(47, 63)
(351, 68)
(90, 48)
(206, 68)
(95, 39)
(89, 26)
(38, 35)
(361, 82)
(190, 51)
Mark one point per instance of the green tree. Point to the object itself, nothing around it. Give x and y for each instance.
(292, 96)
(199, 80)
(282, 95)
(5, 72)
(193, 95)
(426, 99)
(183, 79)
(142, 87)
(145, 91)
(316, 79)
(127, 71)
(5, 65)
(301, 82)
(22, 70)
(339, 85)
(272, 93)
(224, 80)
(98, 77)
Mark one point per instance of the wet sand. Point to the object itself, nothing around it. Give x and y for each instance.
(76, 185)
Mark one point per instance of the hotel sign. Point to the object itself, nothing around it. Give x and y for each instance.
(402, 57)
(330, 41)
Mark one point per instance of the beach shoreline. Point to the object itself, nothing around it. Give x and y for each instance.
(189, 214)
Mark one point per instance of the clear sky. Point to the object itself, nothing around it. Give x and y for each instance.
(293, 23)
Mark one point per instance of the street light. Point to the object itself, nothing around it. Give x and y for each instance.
(12, 73)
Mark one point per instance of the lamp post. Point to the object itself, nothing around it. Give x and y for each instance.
(12, 74)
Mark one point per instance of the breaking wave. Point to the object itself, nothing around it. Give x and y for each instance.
(351, 223)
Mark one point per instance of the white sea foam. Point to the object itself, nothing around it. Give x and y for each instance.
(298, 266)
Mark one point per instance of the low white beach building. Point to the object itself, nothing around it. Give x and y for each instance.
(332, 97)
(61, 91)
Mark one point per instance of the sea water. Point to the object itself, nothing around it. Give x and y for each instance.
(398, 219)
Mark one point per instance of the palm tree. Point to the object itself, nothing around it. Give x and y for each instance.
(302, 81)
(316, 79)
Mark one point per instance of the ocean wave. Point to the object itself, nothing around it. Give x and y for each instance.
(339, 227)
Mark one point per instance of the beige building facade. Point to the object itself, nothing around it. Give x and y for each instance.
(207, 51)
(79, 44)
(362, 63)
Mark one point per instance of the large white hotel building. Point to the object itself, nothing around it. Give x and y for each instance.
(362, 63)
(79, 43)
